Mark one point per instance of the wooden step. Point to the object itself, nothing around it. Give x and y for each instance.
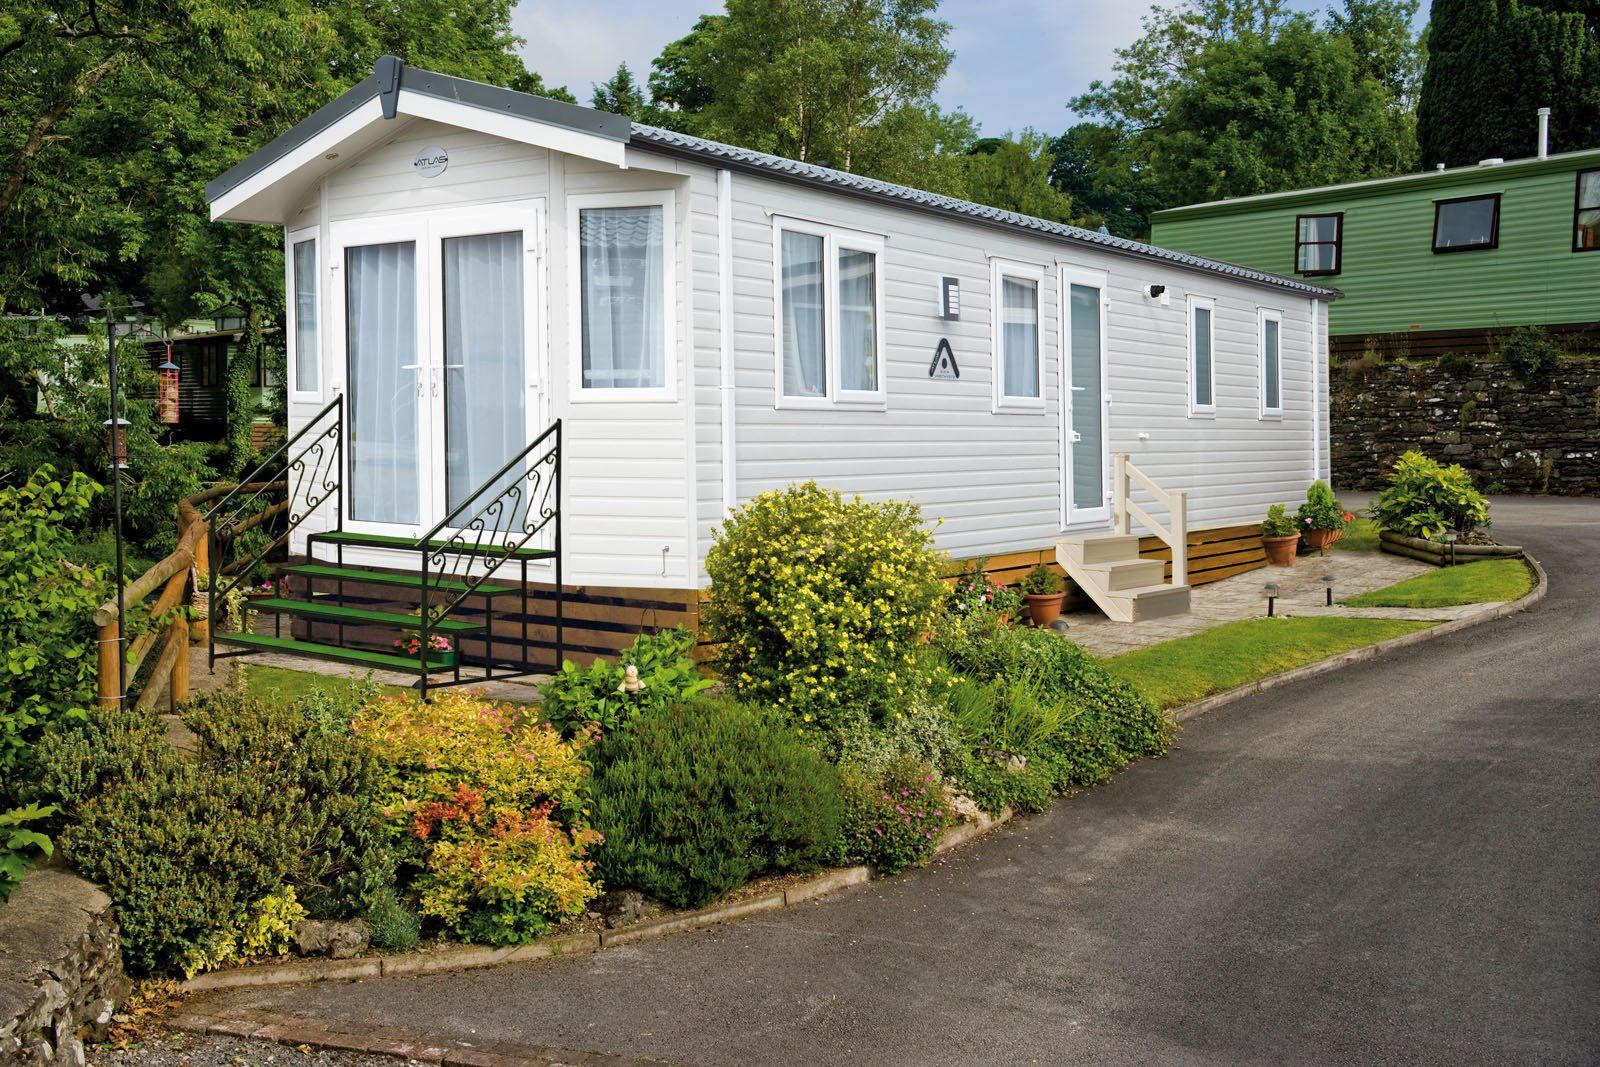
(1153, 601)
(1126, 574)
(329, 572)
(322, 609)
(408, 544)
(436, 662)
(1098, 548)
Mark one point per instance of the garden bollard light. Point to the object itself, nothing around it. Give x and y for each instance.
(1450, 540)
(1327, 584)
(1272, 597)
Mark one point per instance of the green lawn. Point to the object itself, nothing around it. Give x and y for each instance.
(291, 685)
(1467, 583)
(1177, 672)
(1360, 535)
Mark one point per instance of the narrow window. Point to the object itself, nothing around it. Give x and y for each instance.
(1202, 397)
(1586, 213)
(1466, 224)
(1015, 290)
(858, 321)
(1319, 243)
(623, 292)
(1271, 363)
(804, 323)
(304, 287)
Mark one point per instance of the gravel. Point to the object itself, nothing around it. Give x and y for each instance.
(174, 1049)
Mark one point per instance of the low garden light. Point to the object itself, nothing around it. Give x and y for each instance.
(167, 391)
(1450, 542)
(1327, 586)
(1272, 598)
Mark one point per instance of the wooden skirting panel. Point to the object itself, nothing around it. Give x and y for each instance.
(1575, 337)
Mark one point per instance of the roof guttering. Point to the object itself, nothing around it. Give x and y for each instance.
(391, 76)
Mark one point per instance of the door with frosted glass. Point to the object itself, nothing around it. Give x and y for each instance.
(1084, 398)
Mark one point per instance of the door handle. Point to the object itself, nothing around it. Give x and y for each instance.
(1074, 436)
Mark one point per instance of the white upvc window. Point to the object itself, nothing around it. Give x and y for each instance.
(1016, 301)
(1202, 351)
(621, 274)
(303, 312)
(828, 334)
(1269, 336)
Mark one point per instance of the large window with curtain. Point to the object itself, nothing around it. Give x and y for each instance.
(1586, 213)
(829, 336)
(1202, 389)
(623, 288)
(1271, 384)
(306, 358)
(1015, 295)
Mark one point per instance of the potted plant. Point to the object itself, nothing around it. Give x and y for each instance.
(1041, 589)
(975, 591)
(410, 644)
(1006, 603)
(1322, 518)
(1280, 536)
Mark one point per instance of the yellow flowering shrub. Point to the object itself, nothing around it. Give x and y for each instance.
(820, 603)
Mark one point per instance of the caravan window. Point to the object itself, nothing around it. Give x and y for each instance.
(829, 332)
(1586, 213)
(1202, 394)
(1015, 290)
(306, 358)
(624, 287)
(1271, 342)
(1466, 223)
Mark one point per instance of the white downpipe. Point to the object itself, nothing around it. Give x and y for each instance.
(1544, 132)
(730, 474)
(1316, 389)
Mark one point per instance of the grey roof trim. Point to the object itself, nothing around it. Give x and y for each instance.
(698, 148)
(391, 75)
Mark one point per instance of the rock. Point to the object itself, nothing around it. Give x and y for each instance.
(339, 939)
(622, 906)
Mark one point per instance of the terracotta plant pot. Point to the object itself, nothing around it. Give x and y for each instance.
(1317, 540)
(1045, 608)
(1281, 550)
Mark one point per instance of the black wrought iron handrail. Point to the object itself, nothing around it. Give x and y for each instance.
(482, 541)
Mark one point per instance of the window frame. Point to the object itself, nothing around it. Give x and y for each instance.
(1192, 304)
(1337, 242)
(1000, 270)
(1578, 208)
(834, 240)
(1265, 315)
(1494, 225)
(292, 239)
(577, 392)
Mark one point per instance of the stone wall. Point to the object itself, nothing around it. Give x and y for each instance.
(60, 969)
(1515, 437)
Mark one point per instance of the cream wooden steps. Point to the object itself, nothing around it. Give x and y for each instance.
(1128, 589)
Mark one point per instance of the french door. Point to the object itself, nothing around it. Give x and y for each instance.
(439, 323)
(1084, 399)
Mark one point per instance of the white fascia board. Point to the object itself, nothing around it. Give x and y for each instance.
(513, 128)
(313, 151)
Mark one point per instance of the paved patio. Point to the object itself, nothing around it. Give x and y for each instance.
(1301, 593)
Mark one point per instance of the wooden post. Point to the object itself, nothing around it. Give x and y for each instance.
(1119, 492)
(1180, 536)
(199, 629)
(179, 686)
(110, 653)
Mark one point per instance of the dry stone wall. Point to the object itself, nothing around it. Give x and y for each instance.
(60, 969)
(1514, 436)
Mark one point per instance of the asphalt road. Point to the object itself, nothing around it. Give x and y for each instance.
(1396, 863)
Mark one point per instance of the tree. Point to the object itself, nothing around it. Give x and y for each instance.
(1014, 173)
(620, 95)
(1226, 98)
(1105, 187)
(1493, 63)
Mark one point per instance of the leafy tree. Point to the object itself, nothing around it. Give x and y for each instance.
(1105, 187)
(620, 94)
(1493, 63)
(1014, 173)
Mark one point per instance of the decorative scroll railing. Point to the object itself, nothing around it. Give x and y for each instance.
(515, 515)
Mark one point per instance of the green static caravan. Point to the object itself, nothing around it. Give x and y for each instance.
(1428, 263)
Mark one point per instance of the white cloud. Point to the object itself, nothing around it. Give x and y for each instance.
(578, 45)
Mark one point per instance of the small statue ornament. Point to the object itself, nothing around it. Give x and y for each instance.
(630, 681)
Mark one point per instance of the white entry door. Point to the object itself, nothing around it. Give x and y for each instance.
(439, 320)
(1084, 399)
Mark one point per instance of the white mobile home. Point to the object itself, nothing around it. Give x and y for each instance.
(468, 264)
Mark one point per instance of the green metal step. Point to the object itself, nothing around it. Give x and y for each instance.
(339, 613)
(366, 540)
(413, 581)
(315, 650)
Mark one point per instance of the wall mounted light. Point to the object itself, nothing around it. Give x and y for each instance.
(1157, 293)
(950, 299)
(1272, 597)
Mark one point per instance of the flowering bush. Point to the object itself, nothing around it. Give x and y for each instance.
(893, 821)
(411, 644)
(976, 592)
(481, 790)
(1321, 511)
(577, 696)
(820, 602)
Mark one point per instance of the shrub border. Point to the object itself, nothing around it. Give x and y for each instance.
(466, 957)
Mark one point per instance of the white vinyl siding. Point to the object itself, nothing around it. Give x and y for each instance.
(1016, 298)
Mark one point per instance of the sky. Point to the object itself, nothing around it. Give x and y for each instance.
(1017, 62)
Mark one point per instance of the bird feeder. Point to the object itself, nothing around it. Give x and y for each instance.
(167, 390)
(118, 443)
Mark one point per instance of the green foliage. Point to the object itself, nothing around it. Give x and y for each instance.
(1043, 580)
(578, 696)
(18, 844)
(1457, 365)
(265, 929)
(395, 927)
(239, 399)
(1530, 351)
(486, 797)
(696, 801)
(1491, 65)
(975, 591)
(1013, 174)
(820, 602)
(922, 733)
(1321, 511)
(621, 94)
(1278, 523)
(1424, 499)
(47, 634)
(892, 819)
